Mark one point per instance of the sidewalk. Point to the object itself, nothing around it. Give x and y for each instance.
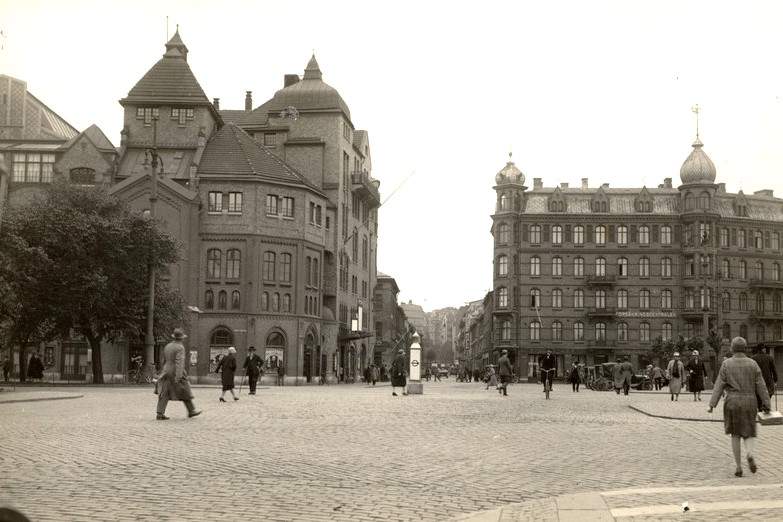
(711, 502)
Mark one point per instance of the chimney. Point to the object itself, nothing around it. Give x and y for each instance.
(667, 182)
(216, 103)
(584, 183)
(537, 183)
(290, 79)
(563, 185)
(248, 100)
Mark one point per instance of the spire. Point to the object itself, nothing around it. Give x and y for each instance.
(177, 43)
(312, 71)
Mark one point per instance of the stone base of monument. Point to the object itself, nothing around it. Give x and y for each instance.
(415, 388)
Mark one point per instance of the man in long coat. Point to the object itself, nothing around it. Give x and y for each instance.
(768, 370)
(505, 371)
(252, 367)
(626, 374)
(173, 383)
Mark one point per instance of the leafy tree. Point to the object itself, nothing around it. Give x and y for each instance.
(77, 258)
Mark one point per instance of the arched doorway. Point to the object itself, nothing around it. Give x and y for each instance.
(310, 358)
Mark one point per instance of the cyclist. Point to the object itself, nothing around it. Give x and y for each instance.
(547, 362)
(505, 371)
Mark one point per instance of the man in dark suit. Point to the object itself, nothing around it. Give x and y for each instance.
(252, 367)
(768, 370)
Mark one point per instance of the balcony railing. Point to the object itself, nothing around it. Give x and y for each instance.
(757, 316)
(366, 188)
(602, 312)
(764, 283)
(595, 280)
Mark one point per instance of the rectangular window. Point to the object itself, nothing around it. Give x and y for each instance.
(270, 139)
(741, 239)
(285, 268)
(147, 114)
(235, 202)
(182, 114)
(32, 167)
(622, 235)
(775, 241)
(579, 235)
(268, 270)
(644, 332)
(272, 203)
(666, 235)
(215, 202)
(288, 207)
(233, 263)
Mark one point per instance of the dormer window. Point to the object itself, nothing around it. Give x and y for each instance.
(147, 114)
(182, 114)
(83, 176)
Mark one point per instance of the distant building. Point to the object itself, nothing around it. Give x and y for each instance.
(391, 332)
(597, 272)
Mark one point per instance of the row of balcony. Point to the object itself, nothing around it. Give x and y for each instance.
(366, 188)
(611, 312)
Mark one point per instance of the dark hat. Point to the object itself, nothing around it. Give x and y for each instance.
(178, 333)
(504, 351)
(400, 351)
(251, 349)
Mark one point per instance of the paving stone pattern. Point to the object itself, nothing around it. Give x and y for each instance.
(352, 452)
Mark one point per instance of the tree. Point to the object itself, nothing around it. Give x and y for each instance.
(77, 259)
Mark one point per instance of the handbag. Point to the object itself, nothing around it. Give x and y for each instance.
(771, 418)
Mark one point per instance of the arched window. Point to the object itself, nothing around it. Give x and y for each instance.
(704, 201)
(557, 331)
(221, 337)
(535, 331)
(644, 267)
(535, 234)
(502, 297)
(775, 272)
(759, 268)
(222, 300)
(503, 265)
(268, 271)
(535, 298)
(505, 330)
(644, 332)
(644, 235)
(233, 262)
(503, 234)
(209, 300)
(666, 267)
(622, 267)
(644, 299)
(743, 302)
(666, 331)
(600, 235)
(557, 298)
(622, 331)
(666, 235)
(265, 301)
(535, 266)
(579, 235)
(666, 299)
(557, 234)
(600, 299)
(504, 202)
(557, 266)
(726, 331)
(622, 299)
(579, 298)
(622, 235)
(600, 266)
(213, 263)
(725, 302)
(579, 266)
(235, 302)
(285, 268)
(579, 331)
(287, 303)
(600, 332)
(275, 302)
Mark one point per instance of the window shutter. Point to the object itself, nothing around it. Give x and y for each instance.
(655, 233)
(733, 233)
(633, 235)
(589, 234)
(545, 238)
(524, 234)
(567, 237)
(766, 239)
(610, 234)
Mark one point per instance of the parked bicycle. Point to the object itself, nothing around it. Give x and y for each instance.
(138, 374)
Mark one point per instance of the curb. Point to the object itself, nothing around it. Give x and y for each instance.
(671, 417)
(38, 399)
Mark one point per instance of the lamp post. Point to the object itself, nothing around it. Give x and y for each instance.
(149, 339)
(705, 302)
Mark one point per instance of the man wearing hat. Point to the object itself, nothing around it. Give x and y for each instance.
(505, 371)
(173, 383)
(548, 362)
(696, 372)
(253, 367)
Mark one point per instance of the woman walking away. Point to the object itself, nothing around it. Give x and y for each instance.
(740, 377)
(492, 378)
(676, 372)
(573, 377)
(227, 367)
(398, 373)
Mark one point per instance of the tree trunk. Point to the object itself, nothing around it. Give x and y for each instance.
(97, 364)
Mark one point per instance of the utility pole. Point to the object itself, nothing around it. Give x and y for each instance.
(149, 340)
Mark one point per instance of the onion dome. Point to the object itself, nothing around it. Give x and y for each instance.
(698, 167)
(509, 173)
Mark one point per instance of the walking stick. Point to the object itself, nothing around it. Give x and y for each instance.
(241, 381)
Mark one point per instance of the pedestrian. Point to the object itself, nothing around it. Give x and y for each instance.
(35, 368)
(626, 369)
(280, 373)
(696, 372)
(254, 368)
(173, 384)
(6, 368)
(505, 371)
(427, 373)
(227, 367)
(768, 370)
(617, 376)
(384, 372)
(373, 374)
(657, 377)
(573, 377)
(676, 372)
(492, 379)
(740, 377)
(435, 373)
(398, 373)
(548, 362)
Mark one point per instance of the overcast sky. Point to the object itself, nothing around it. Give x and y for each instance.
(575, 89)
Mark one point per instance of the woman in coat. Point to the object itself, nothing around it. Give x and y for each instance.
(573, 377)
(676, 373)
(398, 373)
(492, 378)
(740, 377)
(173, 381)
(617, 376)
(696, 372)
(227, 367)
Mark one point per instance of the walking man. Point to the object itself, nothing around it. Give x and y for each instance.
(6, 368)
(280, 373)
(768, 370)
(505, 371)
(626, 372)
(253, 368)
(173, 383)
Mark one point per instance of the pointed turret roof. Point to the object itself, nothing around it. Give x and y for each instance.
(233, 152)
(169, 81)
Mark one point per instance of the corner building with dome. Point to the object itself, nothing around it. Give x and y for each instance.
(598, 272)
(276, 208)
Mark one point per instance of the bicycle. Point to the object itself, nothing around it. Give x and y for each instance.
(547, 382)
(137, 374)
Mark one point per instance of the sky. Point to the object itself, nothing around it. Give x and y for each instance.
(596, 89)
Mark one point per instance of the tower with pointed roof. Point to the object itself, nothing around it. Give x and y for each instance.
(599, 272)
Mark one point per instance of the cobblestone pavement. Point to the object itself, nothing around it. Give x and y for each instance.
(353, 452)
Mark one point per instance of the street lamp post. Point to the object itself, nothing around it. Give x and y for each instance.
(149, 339)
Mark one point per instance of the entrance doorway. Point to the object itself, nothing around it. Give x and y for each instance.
(74, 361)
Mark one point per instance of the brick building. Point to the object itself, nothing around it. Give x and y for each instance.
(597, 272)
